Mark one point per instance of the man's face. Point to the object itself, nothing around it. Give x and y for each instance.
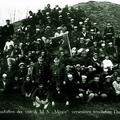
(98, 33)
(4, 79)
(16, 78)
(68, 68)
(110, 45)
(22, 67)
(84, 30)
(16, 46)
(78, 68)
(106, 57)
(70, 78)
(108, 79)
(83, 80)
(48, 5)
(87, 40)
(56, 61)
(62, 53)
(40, 60)
(108, 25)
(75, 29)
(40, 86)
(83, 67)
(118, 79)
(96, 79)
(28, 79)
(81, 40)
(42, 53)
(7, 22)
(95, 43)
(90, 69)
(29, 53)
(95, 56)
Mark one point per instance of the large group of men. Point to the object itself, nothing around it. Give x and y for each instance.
(42, 64)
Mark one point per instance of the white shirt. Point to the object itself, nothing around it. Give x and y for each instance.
(107, 63)
(8, 44)
(116, 86)
(58, 34)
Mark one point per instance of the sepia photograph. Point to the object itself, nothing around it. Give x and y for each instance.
(59, 60)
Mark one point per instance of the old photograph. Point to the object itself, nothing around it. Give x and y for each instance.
(59, 60)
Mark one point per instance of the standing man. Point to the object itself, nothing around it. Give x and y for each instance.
(8, 29)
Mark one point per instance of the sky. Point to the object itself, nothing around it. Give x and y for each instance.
(18, 9)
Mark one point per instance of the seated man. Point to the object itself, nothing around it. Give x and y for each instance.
(3, 82)
(84, 92)
(8, 44)
(107, 89)
(107, 63)
(95, 87)
(69, 89)
(40, 97)
(27, 87)
(116, 85)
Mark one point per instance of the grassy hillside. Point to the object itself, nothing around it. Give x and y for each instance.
(102, 12)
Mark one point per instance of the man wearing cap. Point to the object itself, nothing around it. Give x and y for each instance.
(58, 37)
(57, 71)
(91, 72)
(95, 87)
(27, 87)
(48, 32)
(94, 48)
(71, 23)
(92, 35)
(8, 44)
(39, 44)
(77, 73)
(40, 97)
(48, 8)
(22, 72)
(8, 30)
(84, 33)
(3, 82)
(59, 32)
(75, 37)
(70, 90)
(107, 63)
(117, 44)
(111, 51)
(94, 27)
(109, 33)
(39, 72)
(98, 36)
(95, 62)
(116, 85)
(80, 26)
(88, 43)
(102, 50)
(82, 88)
(107, 89)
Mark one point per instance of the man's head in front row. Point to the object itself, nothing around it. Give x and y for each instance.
(118, 79)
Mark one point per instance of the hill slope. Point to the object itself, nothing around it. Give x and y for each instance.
(102, 12)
